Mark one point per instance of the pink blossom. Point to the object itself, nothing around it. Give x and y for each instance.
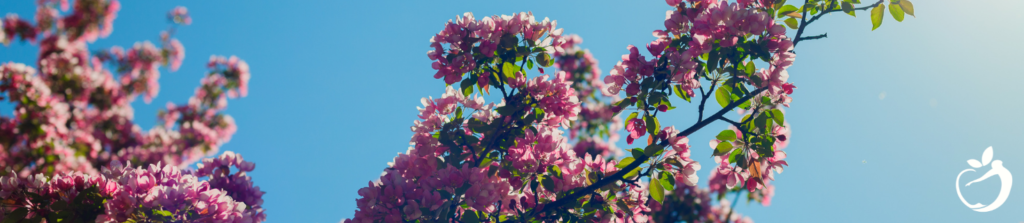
(179, 15)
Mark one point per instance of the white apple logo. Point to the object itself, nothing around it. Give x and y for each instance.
(997, 170)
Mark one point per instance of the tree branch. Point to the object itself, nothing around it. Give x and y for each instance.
(501, 81)
(805, 22)
(704, 98)
(813, 37)
(643, 158)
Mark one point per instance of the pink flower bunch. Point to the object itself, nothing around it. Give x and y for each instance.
(596, 119)
(179, 15)
(727, 176)
(683, 168)
(236, 73)
(238, 185)
(774, 78)
(536, 152)
(74, 115)
(202, 127)
(169, 189)
(13, 26)
(556, 97)
(628, 72)
(580, 65)
(157, 192)
(90, 19)
(636, 129)
(468, 39)
(141, 64)
(506, 158)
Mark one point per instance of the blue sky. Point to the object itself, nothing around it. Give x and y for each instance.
(335, 85)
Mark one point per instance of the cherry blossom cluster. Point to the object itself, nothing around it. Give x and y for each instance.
(468, 40)
(597, 119)
(73, 114)
(475, 160)
(511, 161)
(712, 41)
(77, 114)
(124, 193)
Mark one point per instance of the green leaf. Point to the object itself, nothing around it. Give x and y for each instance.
(637, 152)
(657, 191)
(778, 3)
(625, 162)
(749, 68)
(162, 213)
(778, 116)
(723, 96)
(726, 135)
(506, 110)
(653, 126)
(792, 23)
(15, 216)
(622, 206)
(896, 11)
(631, 117)
(529, 65)
(470, 217)
(654, 150)
(544, 60)
(712, 61)
(633, 173)
(509, 70)
(548, 184)
(467, 86)
(848, 9)
(486, 162)
(555, 171)
(735, 155)
(877, 14)
(907, 7)
(667, 180)
(786, 10)
(723, 147)
(681, 93)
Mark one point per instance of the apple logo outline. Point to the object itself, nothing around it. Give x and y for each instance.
(1006, 180)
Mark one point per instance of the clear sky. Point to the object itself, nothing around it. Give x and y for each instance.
(883, 120)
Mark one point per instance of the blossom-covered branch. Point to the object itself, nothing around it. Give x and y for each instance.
(476, 162)
(73, 127)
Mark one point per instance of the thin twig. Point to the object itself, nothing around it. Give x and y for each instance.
(804, 22)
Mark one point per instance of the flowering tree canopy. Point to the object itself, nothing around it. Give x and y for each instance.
(544, 151)
(510, 160)
(71, 152)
